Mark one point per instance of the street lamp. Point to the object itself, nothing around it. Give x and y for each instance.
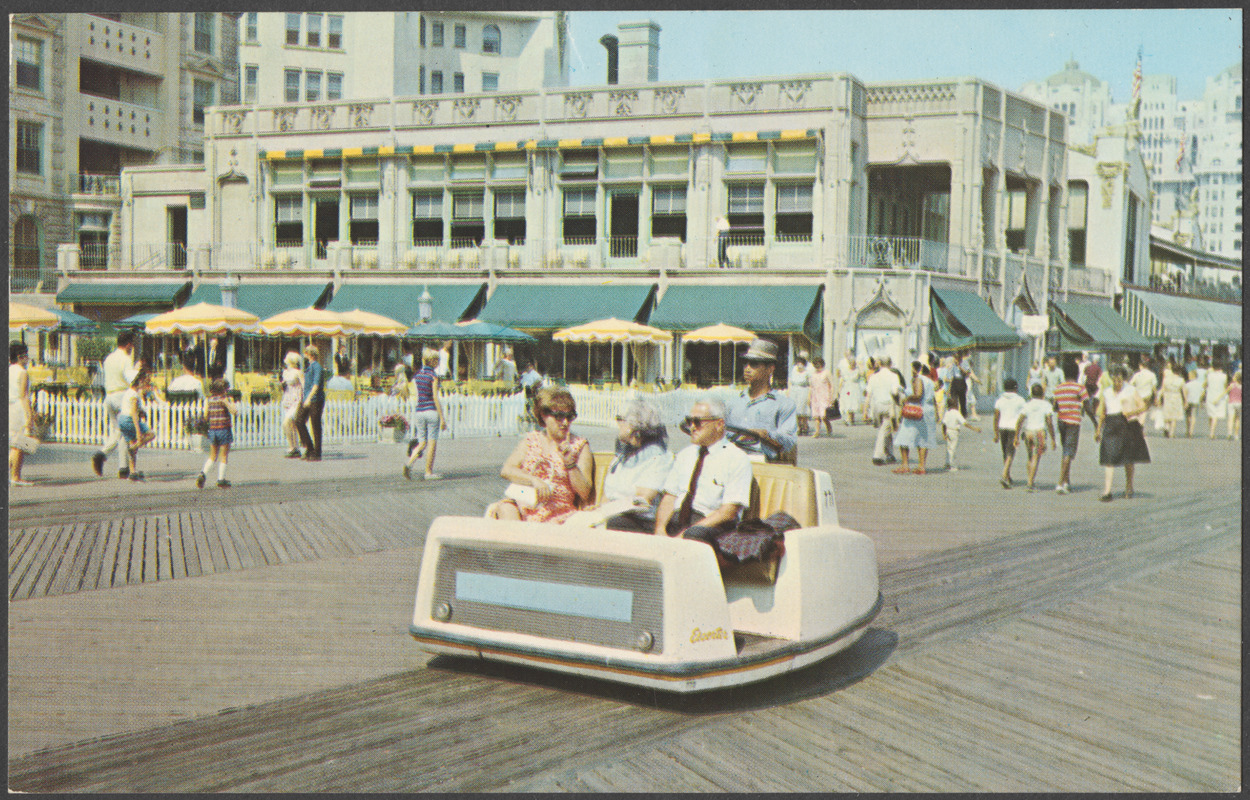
(230, 299)
(425, 305)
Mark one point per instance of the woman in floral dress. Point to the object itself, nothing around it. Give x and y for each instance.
(555, 461)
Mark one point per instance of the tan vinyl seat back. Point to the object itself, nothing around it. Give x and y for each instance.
(775, 487)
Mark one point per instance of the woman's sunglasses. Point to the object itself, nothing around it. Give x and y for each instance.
(563, 416)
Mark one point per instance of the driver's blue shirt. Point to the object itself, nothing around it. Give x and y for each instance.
(772, 412)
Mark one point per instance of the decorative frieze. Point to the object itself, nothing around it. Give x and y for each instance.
(746, 93)
(424, 111)
(669, 100)
(284, 119)
(234, 121)
(506, 108)
(577, 104)
(794, 92)
(1109, 172)
(622, 102)
(360, 114)
(464, 109)
(323, 117)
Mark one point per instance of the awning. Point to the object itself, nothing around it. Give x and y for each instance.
(964, 321)
(399, 301)
(265, 299)
(554, 306)
(1182, 319)
(122, 293)
(1093, 326)
(74, 323)
(763, 309)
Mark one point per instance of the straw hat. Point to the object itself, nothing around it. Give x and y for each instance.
(761, 350)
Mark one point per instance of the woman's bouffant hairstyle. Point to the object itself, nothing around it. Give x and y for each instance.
(552, 398)
(430, 357)
(643, 418)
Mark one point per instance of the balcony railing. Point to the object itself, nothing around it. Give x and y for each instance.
(898, 252)
(623, 247)
(159, 255)
(100, 185)
(93, 255)
(119, 122)
(120, 44)
(1183, 285)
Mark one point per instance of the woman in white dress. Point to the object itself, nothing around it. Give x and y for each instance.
(292, 395)
(21, 415)
(850, 390)
(1216, 394)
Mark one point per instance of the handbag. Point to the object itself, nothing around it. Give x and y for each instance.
(25, 442)
(912, 411)
(833, 412)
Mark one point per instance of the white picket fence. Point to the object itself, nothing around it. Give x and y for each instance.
(351, 421)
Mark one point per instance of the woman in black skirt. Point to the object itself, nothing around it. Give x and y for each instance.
(1119, 431)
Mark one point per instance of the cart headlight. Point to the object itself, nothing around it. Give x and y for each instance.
(442, 612)
(645, 641)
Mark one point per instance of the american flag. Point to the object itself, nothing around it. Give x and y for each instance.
(1137, 85)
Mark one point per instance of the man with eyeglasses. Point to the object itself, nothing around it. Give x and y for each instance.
(707, 488)
(767, 414)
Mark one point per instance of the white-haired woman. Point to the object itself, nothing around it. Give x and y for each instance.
(292, 394)
(641, 462)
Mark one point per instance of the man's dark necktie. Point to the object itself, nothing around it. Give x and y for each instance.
(687, 503)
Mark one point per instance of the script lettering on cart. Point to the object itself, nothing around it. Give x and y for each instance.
(697, 635)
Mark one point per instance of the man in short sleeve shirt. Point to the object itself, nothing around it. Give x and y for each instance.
(1070, 399)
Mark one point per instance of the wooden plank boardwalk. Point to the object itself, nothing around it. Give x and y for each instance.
(1076, 657)
(83, 556)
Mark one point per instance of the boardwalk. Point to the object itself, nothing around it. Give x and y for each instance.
(1088, 650)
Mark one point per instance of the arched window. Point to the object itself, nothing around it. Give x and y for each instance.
(490, 39)
(25, 253)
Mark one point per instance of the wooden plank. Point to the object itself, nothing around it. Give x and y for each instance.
(290, 545)
(281, 525)
(82, 552)
(213, 531)
(177, 555)
(108, 564)
(19, 543)
(269, 541)
(18, 576)
(151, 539)
(134, 567)
(245, 551)
(51, 559)
(228, 550)
(315, 518)
(91, 570)
(191, 531)
(164, 549)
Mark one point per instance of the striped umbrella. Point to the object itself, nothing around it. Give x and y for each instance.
(22, 316)
(204, 318)
(310, 322)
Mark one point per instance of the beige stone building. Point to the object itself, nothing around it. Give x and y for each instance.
(313, 57)
(90, 94)
(829, 213)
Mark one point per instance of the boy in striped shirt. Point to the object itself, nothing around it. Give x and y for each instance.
(1070, 397)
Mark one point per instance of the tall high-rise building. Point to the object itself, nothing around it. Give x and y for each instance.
(1192, 148)
(311, 57)
(90, 94)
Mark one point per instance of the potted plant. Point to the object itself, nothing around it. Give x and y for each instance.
(396, 423)
(197, 428)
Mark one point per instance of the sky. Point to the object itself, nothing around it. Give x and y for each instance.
(1005, 47)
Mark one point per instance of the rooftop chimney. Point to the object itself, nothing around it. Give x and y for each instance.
(639, 52)
(610, 43)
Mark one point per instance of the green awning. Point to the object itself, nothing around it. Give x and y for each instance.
(265, 299)
(545, 306)
(74, 323)
(1182, 319)
(449, 302)
(762, 309)
(123, 293)
(1093, 326)
(964, 321)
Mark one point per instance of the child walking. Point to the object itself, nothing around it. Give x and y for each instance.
(132, 419)
(952, 421)
(1036, 418)
(1006, 414)
(220, 433)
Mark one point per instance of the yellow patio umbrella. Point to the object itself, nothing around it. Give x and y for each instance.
(719, 334)
(205, 318)
(611, 331)
(310, 322)
(22, 316)
(374, 323)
